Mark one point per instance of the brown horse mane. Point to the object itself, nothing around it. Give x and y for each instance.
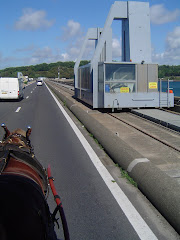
(19, 131)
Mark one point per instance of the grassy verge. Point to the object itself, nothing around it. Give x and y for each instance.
(124, 174)
(96, 141)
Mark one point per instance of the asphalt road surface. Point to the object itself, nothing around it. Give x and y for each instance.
(91, 210)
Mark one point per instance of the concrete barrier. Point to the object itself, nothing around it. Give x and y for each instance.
(162, 190)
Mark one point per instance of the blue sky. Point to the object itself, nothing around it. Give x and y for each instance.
(38, 31)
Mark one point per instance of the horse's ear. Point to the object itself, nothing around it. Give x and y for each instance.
(28, 132)
(7, 132)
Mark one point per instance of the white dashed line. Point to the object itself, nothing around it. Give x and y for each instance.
(27, 97)
(18, 109)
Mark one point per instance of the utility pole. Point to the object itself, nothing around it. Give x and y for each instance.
(58, 73)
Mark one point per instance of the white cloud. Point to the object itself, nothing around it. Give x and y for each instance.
(116, 48)
(35, 56)
(65, 57)
(32, 20)
(6, 61)
(160, 15)
(28, 48)
(171, 55)
(45, 54)
(72, 30)
(173, 39)
(73, 49)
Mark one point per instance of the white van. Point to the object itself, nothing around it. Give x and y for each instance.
(11, 88)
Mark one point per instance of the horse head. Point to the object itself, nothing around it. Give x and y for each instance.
(17, 157)
(18, 137)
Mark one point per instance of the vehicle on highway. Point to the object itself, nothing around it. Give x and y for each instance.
(40, 80)
(39, 83)
(11, 88)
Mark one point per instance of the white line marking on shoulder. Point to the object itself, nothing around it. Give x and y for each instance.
(137, 222)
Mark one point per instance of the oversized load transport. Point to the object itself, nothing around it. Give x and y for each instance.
(11, 88)
(131, 83)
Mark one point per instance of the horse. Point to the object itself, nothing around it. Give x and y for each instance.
(24, 211)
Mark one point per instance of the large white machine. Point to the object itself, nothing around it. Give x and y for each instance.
(132, 83)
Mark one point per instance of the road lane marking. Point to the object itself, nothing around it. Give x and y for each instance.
(18, 109)
(27, 97)
(137, 222)
(31, 91)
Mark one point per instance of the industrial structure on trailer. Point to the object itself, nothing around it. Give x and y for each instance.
(132, 83)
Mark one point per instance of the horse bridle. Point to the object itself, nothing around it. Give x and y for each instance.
(21, 150)
(8, 136)
(7, 147)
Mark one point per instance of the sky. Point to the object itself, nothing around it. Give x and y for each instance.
(46, 31)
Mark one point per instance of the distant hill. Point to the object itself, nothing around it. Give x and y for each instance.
(43, 70)
(67, 70)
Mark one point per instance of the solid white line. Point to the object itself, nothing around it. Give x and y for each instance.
(18, 109)
(139, 225)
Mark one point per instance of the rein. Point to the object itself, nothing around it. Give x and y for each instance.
(3, 161)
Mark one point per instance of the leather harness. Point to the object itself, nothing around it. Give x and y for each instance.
(19, 160)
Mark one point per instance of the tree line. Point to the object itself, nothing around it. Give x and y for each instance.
(166, 71)
(66, 70)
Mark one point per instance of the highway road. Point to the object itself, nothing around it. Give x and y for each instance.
(95, 207)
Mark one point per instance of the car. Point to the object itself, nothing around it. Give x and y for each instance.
(39, 83)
